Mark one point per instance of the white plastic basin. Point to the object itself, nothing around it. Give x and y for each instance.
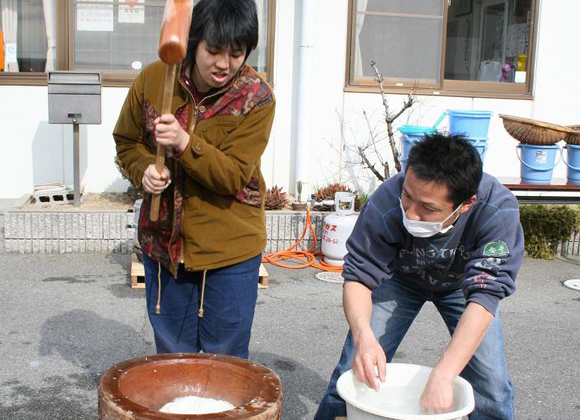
(398, 397)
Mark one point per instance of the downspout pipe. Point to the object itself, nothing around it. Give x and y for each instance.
(304, 98)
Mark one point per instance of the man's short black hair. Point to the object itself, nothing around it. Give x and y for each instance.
(224, 23)
(448, 160)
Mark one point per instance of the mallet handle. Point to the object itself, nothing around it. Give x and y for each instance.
(170, 71)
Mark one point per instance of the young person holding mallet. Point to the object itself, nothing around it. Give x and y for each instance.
(202, 255)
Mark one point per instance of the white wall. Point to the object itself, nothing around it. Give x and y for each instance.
(36, 152)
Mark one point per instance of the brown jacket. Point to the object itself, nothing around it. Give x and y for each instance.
(212, 214)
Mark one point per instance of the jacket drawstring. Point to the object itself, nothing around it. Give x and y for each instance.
(200, 312)
(158, 307)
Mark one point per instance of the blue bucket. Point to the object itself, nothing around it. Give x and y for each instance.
(411, 134)
(573, 163)
(481, 150)
(472, 124)
(480, 145)
(477, 141)
(537, 163)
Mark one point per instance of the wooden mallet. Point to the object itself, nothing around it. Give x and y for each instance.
(172, 51)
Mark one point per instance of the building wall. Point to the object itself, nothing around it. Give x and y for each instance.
(36, 152)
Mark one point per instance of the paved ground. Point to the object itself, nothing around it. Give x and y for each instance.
(66, 319)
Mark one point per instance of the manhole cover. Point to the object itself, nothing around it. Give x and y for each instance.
(572, 284)
(330, 276)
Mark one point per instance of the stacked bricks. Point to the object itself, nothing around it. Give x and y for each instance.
(284, 228)
(39, 232)
(43, 232)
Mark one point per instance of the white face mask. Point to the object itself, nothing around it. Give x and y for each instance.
(421, 229)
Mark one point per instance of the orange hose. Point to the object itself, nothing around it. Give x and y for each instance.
(304, 259)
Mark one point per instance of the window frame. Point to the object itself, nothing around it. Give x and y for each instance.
(65, 52)
(448, 87)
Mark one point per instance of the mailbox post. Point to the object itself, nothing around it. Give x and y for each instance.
(74, 98)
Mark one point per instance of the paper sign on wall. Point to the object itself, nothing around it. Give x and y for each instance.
(132, 13)
(95, 17)
(10, 54)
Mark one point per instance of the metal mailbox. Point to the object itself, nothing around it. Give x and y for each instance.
(74, 97)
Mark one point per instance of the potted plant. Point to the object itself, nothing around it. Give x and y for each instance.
(299, 205)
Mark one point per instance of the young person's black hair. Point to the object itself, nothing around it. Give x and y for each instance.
(224, 23)
(448, 160)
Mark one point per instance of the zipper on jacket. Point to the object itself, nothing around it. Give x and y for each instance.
(191, 125)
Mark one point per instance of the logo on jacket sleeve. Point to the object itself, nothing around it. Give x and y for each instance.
(496, 249)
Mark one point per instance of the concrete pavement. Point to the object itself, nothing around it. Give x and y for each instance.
(68, 318)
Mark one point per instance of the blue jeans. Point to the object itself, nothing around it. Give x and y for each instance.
(395, 306)
(229, 302)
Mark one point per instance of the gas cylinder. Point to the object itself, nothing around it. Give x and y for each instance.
(337, 227)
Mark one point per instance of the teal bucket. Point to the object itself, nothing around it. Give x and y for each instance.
(472, 124)
(538, 162)
(411, 134)
(573, 163)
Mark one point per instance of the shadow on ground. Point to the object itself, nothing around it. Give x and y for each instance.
(292, 372)
(89, 342)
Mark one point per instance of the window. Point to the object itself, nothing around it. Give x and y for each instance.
(115, 37)
(455, 47)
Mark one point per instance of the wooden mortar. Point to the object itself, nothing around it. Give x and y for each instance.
(137, 388)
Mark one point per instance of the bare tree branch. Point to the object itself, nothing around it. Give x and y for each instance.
(371, 149)
(369, 165)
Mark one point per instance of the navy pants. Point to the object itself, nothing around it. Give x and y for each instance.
(395, 306)
(229, 302)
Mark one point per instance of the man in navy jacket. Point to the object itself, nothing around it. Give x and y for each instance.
(443, 232)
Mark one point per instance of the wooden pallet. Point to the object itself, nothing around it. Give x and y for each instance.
(263, 282)
(138, 274)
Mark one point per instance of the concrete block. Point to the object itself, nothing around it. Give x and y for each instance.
(74, 226)
(98, 226)
(27, 225)
(7, 225)
(61, 226)
(82, 225)
(41, 233)
(68, 225)
(47, 226)
(14, 223)
(34, 225)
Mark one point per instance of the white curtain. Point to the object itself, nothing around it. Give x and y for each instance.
(360, 20)
(50, 20)
(261, 50)
(10, 29)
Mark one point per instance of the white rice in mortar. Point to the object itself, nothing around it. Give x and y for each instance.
(196, 405)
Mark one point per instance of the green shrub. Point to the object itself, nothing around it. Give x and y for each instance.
(545, 226)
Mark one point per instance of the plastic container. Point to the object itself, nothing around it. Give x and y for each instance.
(411, 134)
(471, 123)
(537, 162)
(482, 150)
(573, 163)
(398, 397)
